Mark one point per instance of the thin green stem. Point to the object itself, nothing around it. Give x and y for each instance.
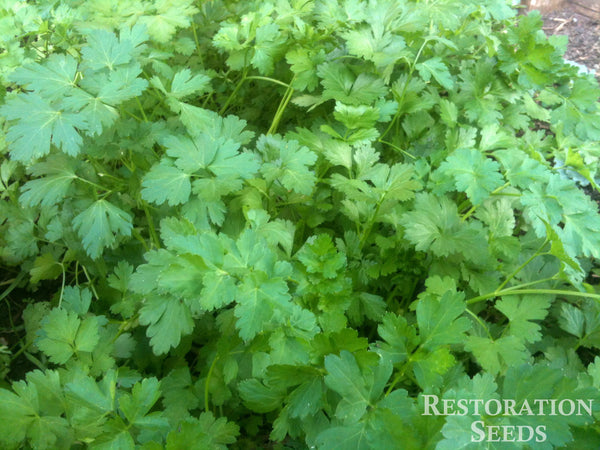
(400, 374)
(531, 283)
(395, 147)
(4, 283)
(87, 275)
(137, 99)
(91, 183)
(234, 93)
(15, 282)
(62, 287)
(404, 89)
(522, 266)
(272, 80)
(282, 106)
(532, 291)
(206, 383)
(481, 323)
(151, 228)
(139, 119)
(136, 234)
(474, 207)
(197, 42)
(34, 361)
(371, 223)
(24, 346)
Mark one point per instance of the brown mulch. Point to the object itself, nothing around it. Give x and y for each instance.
(583, 33)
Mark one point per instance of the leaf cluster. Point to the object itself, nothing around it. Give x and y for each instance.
(284, 223)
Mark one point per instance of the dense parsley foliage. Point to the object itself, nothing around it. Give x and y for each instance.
(288, 221)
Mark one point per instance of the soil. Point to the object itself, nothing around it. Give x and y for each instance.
(583, 33)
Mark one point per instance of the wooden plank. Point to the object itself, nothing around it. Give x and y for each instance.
(588, 8)
(544, 6)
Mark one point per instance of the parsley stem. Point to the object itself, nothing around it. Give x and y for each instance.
(62, 287)
(531, 283)
(139, 119)
(282, 105)
(413, 65)
(371, 223)
(24, 347)
(400, 374)
(272, 80)
(234, 93)
(395, 147)
(151, 227)
(522, 266)
(198, 48)
(92, 288)
(137, 99)
(91, 183)
(481, 323)
(210, 370)
(136, 234)
(474, 207)
(532, 291)
(15, 282)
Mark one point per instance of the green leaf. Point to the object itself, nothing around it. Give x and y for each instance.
(306, 399)
(399, 337)
(104, 50)
(57, 174)
(258, 397)
(77, 300)
(53, 79)
(45, 267)
(304, 64)
(178, 393)
(185, 84)
(167, 17)
(440, 321)
(539, 381)
(448, 112)
(384, 49)
(275, 232)
(582, 322)
(258, 299)
(100, 225)
(319, 255)
(354, 117)
(345, 377)
(206, 432)
(436, 68)
(350, 437)
(136, 406)
(473, 173)
(429, 368)
(168, 319)
(119, 86)
(62, 335)
(219, 289)
(119, 280)
(496, 355)
(99, 397)
(522, 312)
(581, 231)
(340, 84)
(572, 320)
(287, 163)
(435, 225)
(38, 125)
(166, 183)
(268, 46)
(21, 419)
